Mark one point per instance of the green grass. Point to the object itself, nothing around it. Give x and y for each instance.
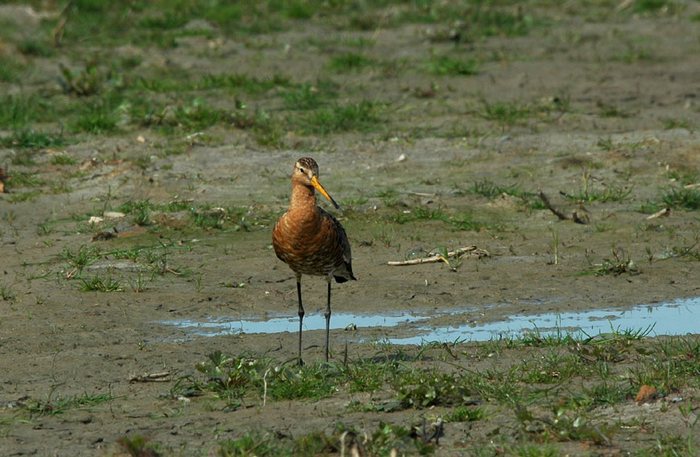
(480, 20)
(350, 61)
(82, 257)
(63, 159)
(7, 293)
(309, 96)
(465, 414)
(552, 386)
(98, 283)
(505, 113)
(140, 211)
(31, 139)
(97, 117)
(17, 112)
(236, 83)
(682, 198)
(611, 193)
(35, 47)
(652, 6)
(609, 110)
(138, 445)
(60, 405)
(491, 190)
(463, 221)
(362, 117)
(10, 70)
(618, 263)
(676, 123)
(452, 66)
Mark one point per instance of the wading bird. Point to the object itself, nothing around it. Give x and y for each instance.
(310, 240)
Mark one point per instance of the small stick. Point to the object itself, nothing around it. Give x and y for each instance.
(579, 218)
(663, 212)
(162, 376)
(472, 250)
(265, 386)
(551, 207)
(57, 32)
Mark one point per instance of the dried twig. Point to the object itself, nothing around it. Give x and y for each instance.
(265, 387)
(664, 212)
(578, 217)
(471, 250)
(57, 32)
(163, 376)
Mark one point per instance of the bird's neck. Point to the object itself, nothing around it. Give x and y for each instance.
(303, 198)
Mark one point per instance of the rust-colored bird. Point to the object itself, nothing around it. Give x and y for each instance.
(310, 240)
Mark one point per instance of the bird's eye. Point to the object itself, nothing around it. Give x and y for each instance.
(302, 170)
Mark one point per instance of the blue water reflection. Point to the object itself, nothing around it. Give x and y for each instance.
(678, 317)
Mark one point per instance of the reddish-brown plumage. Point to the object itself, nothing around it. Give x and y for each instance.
(310, 240)
(307, 238)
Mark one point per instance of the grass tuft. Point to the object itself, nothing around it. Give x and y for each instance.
(451, 66)
(360, 116)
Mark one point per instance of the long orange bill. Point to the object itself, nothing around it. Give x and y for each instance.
(317, 185)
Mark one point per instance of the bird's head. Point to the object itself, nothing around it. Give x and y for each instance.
(306, 173)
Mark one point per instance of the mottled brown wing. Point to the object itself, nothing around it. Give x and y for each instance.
(343, 271)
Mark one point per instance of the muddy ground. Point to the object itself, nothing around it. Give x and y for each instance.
(630, 84)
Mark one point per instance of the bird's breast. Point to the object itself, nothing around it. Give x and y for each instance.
(307, 244)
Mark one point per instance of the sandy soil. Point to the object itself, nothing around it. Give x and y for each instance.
(57, 341)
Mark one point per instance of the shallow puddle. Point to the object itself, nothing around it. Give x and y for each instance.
(674, 318)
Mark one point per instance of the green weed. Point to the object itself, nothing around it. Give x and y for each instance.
(78, 260)
(505, 113)
(308, 96)
(350, 61)
(23, 179)
(138, 446)
(258, 444)
(31, 139)
(426, 388)
(52, 407)
(62, 159)
(99, 284)
(6, 293)
(489, 189)
(608, 110)
(35, 48)
(459, 222)
(97, 117)
(465, 414)
(451, 66)
(684, 198)
(140, 211)
(609, 193)
(360, 116)
(209, 218)
(16, 111)
(652, 6)
(617, 264)
(11, 70)
(90, 81)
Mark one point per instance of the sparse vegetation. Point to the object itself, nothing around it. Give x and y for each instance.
(59, 405)
(445, 65)
(683, 198)
(145, 150)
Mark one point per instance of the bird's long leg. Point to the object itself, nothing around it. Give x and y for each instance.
(328, 318)
(301, 315)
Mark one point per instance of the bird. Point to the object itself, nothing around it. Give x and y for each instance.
(311, 240)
